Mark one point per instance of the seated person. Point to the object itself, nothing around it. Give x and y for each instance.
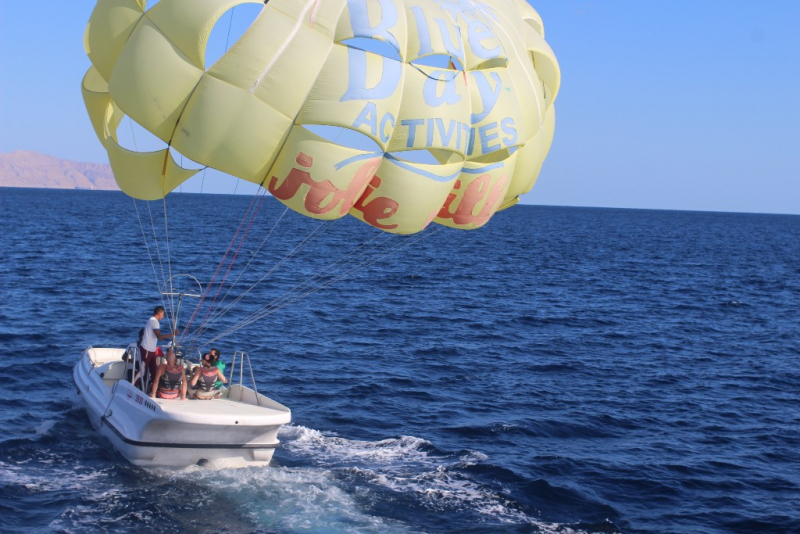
(219, 364)
(170, 379)
(204, 378)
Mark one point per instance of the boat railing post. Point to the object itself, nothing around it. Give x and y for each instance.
(252, 377)
(144, 371)
(127, 359)
(233, 372)
(241, 368)
(132, 359)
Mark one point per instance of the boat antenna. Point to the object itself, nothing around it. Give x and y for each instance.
(181, 294)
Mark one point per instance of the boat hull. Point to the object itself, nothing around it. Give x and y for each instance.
(236, 431)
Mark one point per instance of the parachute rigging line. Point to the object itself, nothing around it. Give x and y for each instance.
(227, 41)
(249, 214)
(149, 255)
(290, 296)
(230, 24)
(456, 72)
(133, 134)
(219, 265)
(252, 218)
(217, 314)
(299, 291)
(233, 259)
(160, 285)
(281, 302)
(319, 275)
(169, 260)
(308, 239)
(163, 285)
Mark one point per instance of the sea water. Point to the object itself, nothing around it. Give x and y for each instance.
(560, 370)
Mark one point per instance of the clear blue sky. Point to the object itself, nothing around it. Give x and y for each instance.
(669, 104)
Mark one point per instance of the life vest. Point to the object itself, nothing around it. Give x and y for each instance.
(170, 383)
(170, 395)
(208, 376)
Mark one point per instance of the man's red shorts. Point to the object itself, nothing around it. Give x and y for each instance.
(149, 359)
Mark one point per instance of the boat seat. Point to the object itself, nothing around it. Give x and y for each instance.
(113, 372)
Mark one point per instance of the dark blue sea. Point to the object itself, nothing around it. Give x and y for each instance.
(561, 370)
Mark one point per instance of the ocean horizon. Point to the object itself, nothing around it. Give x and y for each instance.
(250, 193)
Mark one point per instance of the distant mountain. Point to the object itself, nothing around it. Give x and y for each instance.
(23, 168)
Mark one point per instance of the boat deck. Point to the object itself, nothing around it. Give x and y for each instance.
(214, 407)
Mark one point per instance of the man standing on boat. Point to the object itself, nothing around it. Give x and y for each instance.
(152, 333)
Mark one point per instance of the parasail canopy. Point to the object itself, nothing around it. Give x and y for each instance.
(451, 103)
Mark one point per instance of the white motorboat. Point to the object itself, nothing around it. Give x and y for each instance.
(236, 430)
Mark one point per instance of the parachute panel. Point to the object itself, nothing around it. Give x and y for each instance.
(507, 17)
(545, 64)
(436, 107)
(103, 113)
(142, 175)
(477, 194)
(496, 114)
(153, 79)
(356, 90)
(188, 23)
(246, 132)
(404, 197)
(382, 20)
(318, 178)
(530, 16)
(531, 158)
(530, 98)
(246, 60)
(129, 167)
(278, 59)
(433, 32)
(488, 44)
(109, 27)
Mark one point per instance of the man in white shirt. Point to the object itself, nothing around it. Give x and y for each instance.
(152, 333)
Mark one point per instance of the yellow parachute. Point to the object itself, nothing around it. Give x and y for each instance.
(485, 120)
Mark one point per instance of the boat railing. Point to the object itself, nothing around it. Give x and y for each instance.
(240, 358)
(136, 372)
